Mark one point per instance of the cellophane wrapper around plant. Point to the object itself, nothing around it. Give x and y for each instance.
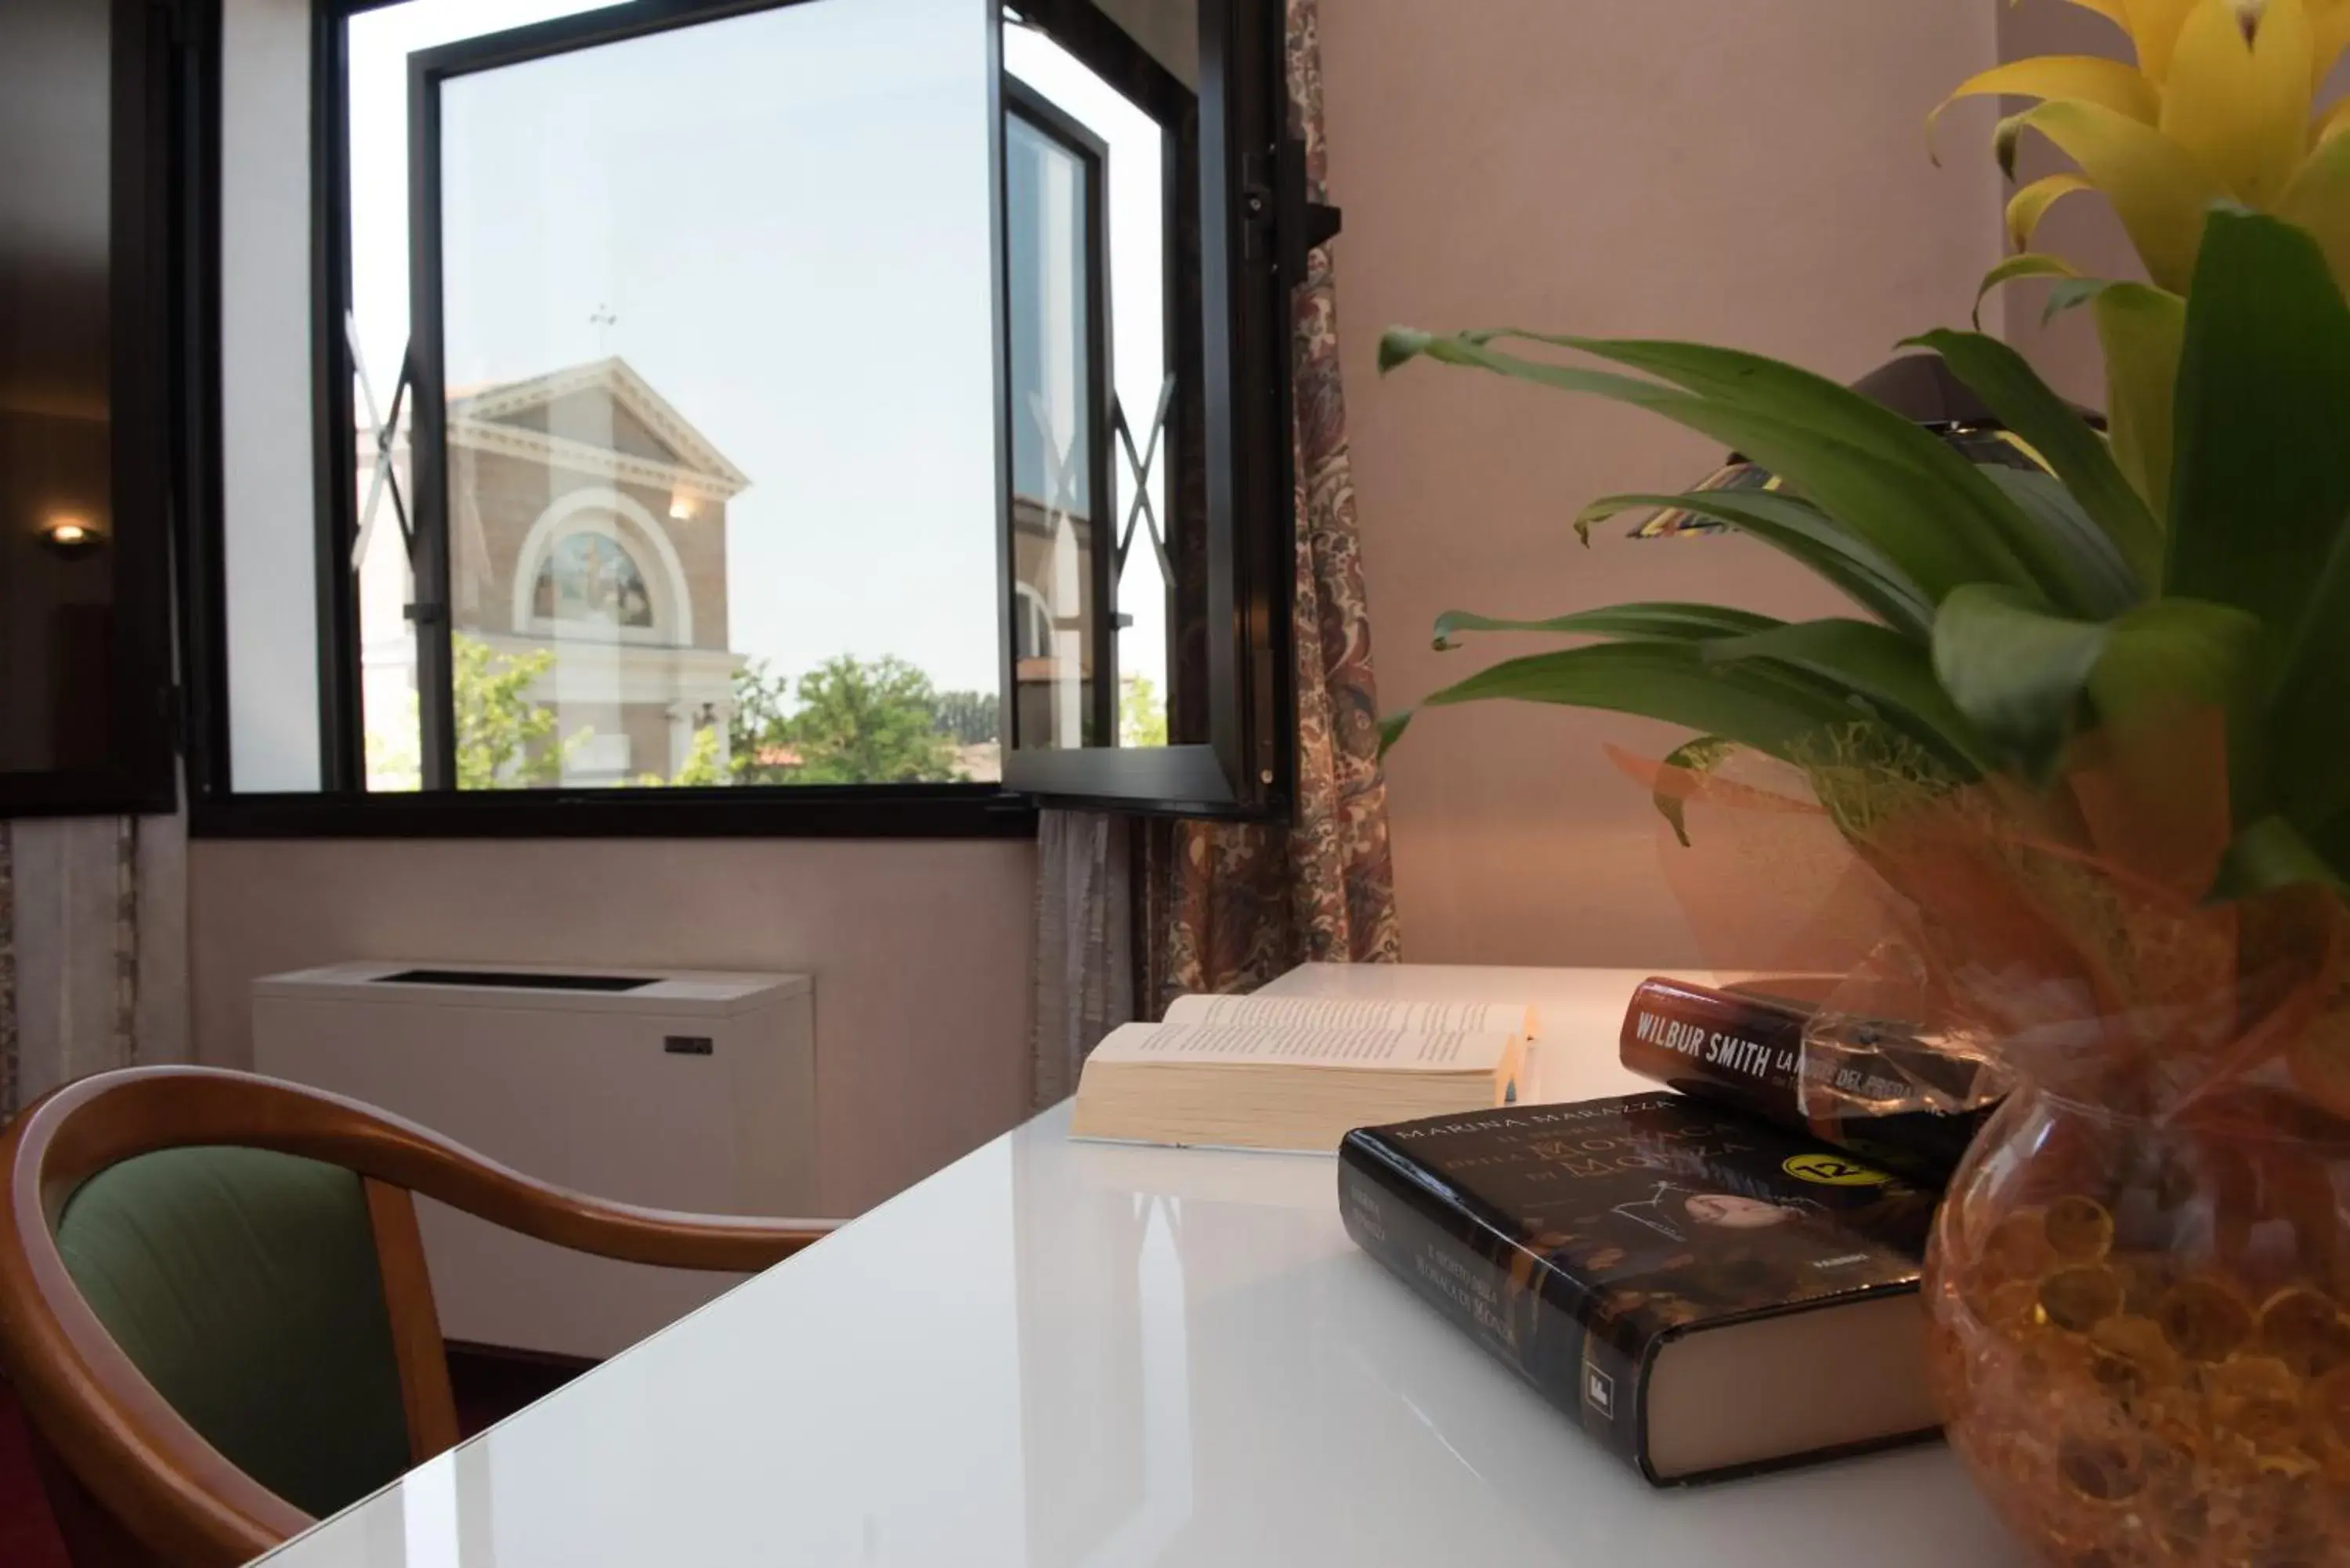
(2139, 1275)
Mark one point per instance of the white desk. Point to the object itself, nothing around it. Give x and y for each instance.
(1063, 1355)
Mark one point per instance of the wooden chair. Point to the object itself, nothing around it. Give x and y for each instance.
(212, 1296)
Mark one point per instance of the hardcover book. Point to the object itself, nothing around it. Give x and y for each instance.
(1705, 1294)
(1742, 1046)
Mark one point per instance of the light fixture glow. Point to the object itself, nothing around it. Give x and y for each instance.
(69, 534)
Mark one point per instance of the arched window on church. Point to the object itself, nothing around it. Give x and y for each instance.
(591, 577)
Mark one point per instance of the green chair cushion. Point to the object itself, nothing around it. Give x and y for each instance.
(244, 1284)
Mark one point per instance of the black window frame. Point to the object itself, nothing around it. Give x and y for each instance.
(1243, 772)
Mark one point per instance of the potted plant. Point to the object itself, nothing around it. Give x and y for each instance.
(2089, 727)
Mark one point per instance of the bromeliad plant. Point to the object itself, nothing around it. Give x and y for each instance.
(2009, 611)
(2220, 104)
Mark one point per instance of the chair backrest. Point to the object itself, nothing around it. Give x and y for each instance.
(243, 1283)
(214, 1304)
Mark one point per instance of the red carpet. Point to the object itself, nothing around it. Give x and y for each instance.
(489, 1388)
(27, 1538)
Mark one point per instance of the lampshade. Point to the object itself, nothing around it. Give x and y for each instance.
(1918, 387)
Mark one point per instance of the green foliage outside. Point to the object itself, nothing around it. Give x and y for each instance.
(970, 718)
(869, 724)
(847, 721)
(1141, 716)
(504, 740)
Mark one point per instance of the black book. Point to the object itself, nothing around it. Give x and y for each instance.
(1706, 1295)
(1742, 1046)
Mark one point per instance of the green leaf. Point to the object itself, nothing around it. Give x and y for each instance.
(2026, 679)
(2074, 451)
(2309, 718)
(2140, 328)
(1668, 622)
(2016, 670)
(1392, 727)
(2165, 659)
(1750, 705)
(2113, 586)
(2028, 264)
(1796, 527)
(1948, 484)
(1877, 490)
(2268, 855)
(2261, 489)
(1700, 757)
(1889, 675)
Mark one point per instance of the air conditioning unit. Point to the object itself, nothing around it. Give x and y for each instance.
(682, 1090)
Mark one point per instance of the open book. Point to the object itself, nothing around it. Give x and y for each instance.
(1296, 1073)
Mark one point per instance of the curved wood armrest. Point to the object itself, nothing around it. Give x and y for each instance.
(149, 1109)
(172, 1490)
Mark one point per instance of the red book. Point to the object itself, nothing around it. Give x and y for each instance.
(1742, 1048)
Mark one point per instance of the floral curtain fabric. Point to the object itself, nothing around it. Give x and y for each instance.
(93, 949)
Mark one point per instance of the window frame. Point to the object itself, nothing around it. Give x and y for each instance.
(1243, 773)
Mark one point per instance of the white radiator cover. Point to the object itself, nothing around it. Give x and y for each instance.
(692, 1090)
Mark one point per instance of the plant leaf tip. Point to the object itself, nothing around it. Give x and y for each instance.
(1399, 344)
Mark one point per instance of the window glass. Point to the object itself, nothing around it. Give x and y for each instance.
(1081, 143)
(57, 572)
(718, 355)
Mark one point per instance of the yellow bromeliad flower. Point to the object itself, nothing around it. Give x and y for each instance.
(2221, 105)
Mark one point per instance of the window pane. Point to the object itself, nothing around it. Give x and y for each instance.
(378, 43)
(1050, 256)
(719, 361)
(57, 574)
(1083, 142)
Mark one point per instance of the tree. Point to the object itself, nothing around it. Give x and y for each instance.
(701, 769)
(1141, 716)
(861, 722)
(969, 717)
(504, 740)
(759, 730)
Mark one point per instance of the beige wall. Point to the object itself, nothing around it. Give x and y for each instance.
(923, 952)
(1752, 174)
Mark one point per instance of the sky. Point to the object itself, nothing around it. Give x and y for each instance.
(781, 221)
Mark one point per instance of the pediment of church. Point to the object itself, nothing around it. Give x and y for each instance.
(600, 417)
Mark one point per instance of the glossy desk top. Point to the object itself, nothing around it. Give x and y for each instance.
(1057, 1353)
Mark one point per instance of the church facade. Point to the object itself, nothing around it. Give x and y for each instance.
(587, 520)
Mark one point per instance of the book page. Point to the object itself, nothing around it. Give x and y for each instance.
(1199, 1045)
(1327, 1012)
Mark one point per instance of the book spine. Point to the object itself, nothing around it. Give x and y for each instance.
(1747, 1053)
(1505, 1298)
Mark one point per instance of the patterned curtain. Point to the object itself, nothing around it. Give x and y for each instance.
(1233, 905)
(93, 949)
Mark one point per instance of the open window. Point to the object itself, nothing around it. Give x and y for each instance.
(797, 396)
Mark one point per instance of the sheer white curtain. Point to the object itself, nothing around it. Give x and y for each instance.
(1084, 943)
